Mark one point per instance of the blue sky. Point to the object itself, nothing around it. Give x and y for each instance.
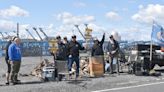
(132, 19)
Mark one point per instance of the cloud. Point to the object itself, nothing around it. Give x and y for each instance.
(113, 16)
(7, 25)
(149, 13)
(10, 26)
(69, 19)
(49, 29)
(79, 4)
(96, 28)
(13, 11)
(69, 30)
(135, 33)
(65, 30)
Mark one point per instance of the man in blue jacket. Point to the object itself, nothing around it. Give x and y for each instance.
(14, 53)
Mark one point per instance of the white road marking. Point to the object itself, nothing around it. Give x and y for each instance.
(158, 79)
(113, 89)
(127, 82)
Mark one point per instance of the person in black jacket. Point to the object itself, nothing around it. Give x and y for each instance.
(61, 53)
(66, 43)
(97, 48)
(73, 49)
(7, 60)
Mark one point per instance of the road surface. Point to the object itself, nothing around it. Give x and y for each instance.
(150, 87)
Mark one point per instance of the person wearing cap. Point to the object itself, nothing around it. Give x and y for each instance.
(66, 43)
(73, 50)
(7, 60)
(58, 37)
(60, 54)
(65, 40)
(113, 51)
(97, 49)
(15, 56)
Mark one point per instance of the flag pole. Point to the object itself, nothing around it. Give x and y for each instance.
(151, 50)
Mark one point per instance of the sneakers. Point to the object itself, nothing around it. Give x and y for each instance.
(13, 83)
(71, 72)
(7, 83)
(18, 81)
(70, 75)
(77, 77)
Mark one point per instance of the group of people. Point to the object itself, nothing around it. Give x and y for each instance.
(67, 50)
(13, 60)
(112, 50)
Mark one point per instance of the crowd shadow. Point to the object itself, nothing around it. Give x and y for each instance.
(79, 82)
(31, 82)
(23, 83)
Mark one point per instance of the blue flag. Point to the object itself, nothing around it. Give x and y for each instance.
(157, 34)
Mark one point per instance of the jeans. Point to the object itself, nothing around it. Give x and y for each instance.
(71, 61)
(111, 64)
(67, 59)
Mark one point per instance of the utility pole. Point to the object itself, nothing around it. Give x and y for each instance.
(18, 30)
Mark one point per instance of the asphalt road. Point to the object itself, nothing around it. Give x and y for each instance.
(150, 87)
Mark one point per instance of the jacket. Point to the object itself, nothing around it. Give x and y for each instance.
(113, 48)
(61, 54)
(7, 47)
(97, 49)
(73, 48)
(14, 52)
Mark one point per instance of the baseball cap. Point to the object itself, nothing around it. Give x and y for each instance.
(111, 36)
(74, 36)
(13, 38)
(58, 37)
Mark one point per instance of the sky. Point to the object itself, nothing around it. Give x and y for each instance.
(131, 19)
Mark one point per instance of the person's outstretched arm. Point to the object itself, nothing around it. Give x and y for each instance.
(103, 39)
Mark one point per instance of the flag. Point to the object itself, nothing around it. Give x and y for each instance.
(157, 34)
